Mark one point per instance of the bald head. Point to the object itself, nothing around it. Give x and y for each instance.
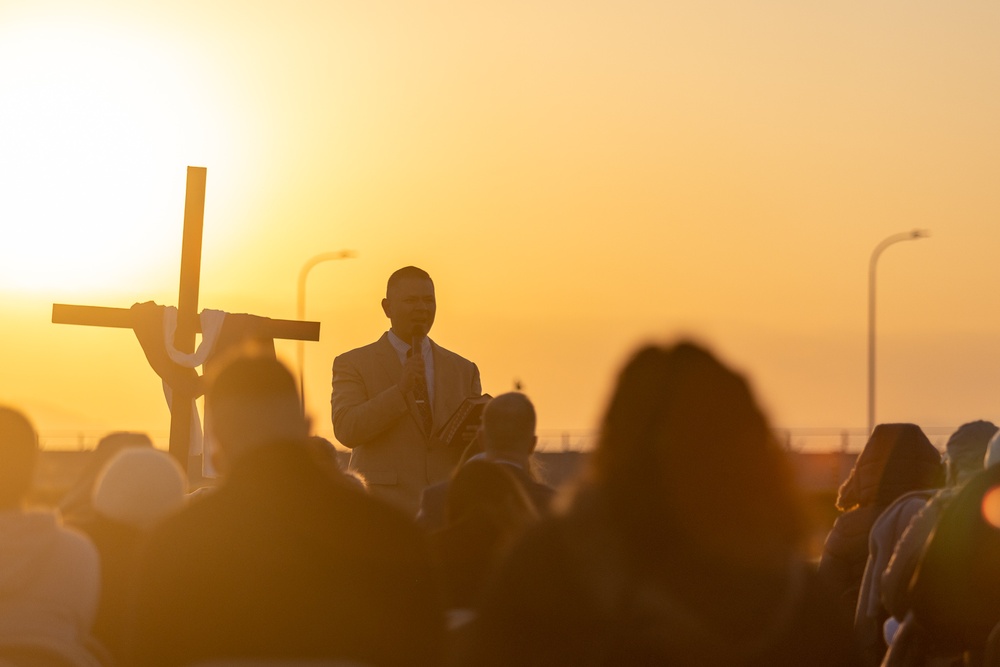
(254, 401)
(509, 427)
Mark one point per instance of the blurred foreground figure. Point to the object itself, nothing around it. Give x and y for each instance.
(49, 575)
(286, 558)
(682, 545)
(898, 536)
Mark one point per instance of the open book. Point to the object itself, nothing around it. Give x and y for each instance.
(468, 414)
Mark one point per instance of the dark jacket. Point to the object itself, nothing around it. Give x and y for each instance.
(286, 560)
(897, 458)
(955, 590)
(570, 594)
(433, 513)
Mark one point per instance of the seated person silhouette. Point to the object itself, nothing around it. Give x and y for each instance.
(49, 574)
(507, 436)
(286, 559)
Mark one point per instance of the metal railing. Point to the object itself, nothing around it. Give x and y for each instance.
(804, 439)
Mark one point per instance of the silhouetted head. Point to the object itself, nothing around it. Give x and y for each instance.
(897, 459)
(686, 457)
(965, 451)
(253, 401)
(325, 451)
(138, 486)
(76, 504)
(18, 457)
(508, 428)
(409, 302)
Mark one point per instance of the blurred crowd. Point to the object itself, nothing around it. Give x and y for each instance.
(681, 541)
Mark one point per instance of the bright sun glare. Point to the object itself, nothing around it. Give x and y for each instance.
(96, 128)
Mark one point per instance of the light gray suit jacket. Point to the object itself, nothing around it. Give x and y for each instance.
(382, 426)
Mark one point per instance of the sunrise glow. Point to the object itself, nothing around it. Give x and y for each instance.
(577, 179)
(95, 122)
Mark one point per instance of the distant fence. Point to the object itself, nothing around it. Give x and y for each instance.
(832, 439)
(806, 440)
(86, 439)
(846, 440)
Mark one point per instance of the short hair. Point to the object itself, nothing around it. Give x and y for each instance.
(509, 423)
(966, 450)
(404, 273)
(19, 452)
(254, 400)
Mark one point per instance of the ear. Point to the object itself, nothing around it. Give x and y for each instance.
(385, 307)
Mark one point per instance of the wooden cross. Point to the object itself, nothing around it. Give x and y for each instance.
(188, 322)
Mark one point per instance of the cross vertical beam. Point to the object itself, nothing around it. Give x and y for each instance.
(188, 322)
(187, 305)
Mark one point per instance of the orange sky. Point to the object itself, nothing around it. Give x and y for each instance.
(577, 177)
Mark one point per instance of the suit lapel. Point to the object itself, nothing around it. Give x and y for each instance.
(389, 360)
(441, 399)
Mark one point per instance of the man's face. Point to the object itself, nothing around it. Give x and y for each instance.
(409, 304)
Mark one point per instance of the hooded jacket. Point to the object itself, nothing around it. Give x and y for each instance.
(897, 459)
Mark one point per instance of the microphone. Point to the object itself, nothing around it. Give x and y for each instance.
(417, 340)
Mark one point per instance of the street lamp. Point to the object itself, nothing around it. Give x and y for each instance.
(872, 264)
(300, 309)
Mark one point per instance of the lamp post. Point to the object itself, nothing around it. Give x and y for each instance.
(300, 308)
(872, 265)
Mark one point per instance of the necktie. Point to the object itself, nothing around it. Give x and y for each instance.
(423, 401)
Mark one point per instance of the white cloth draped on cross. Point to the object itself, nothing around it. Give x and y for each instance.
(149, 320)
(154, 326)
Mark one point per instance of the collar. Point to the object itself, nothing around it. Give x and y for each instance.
(402, 347)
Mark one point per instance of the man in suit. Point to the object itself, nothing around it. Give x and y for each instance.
(286, 559)
(391, 398)
(507, 437)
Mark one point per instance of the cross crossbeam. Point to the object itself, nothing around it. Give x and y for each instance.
(120, 318)
(188, 321)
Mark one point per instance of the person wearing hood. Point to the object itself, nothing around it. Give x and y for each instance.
(954, 593)
(917, 514)
(49, 574)
(897, 459)
(965, 454)
(892, 558)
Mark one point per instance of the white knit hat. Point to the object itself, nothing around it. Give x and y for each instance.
(139, 486)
